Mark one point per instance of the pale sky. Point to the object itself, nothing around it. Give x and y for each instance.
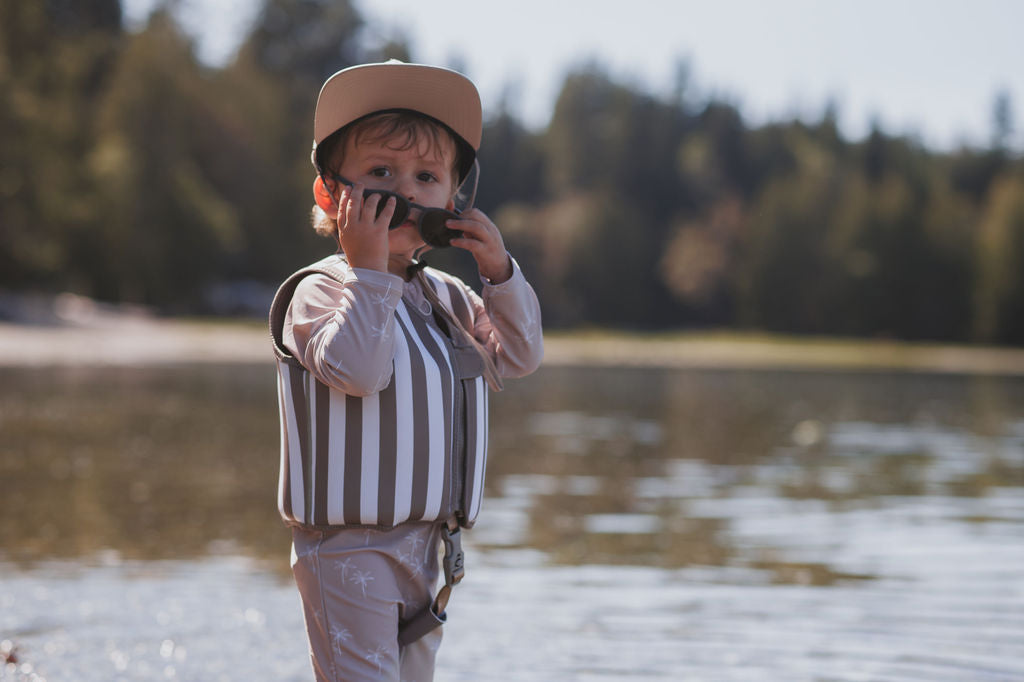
(931, 68)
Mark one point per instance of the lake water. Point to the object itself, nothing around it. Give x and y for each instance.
(641, 524)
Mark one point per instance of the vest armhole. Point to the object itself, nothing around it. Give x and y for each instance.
(283, 298)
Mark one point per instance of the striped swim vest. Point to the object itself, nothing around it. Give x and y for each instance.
(415, 451)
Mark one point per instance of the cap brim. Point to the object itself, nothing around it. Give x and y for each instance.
(440, 93)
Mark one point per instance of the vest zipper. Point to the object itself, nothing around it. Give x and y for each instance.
(458, 443)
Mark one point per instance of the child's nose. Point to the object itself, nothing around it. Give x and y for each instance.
(407, 188)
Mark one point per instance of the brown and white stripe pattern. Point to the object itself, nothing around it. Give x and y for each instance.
(415, 451)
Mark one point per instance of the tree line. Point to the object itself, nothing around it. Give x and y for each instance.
(130, 171)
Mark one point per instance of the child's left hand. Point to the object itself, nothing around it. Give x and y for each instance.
(481, 238)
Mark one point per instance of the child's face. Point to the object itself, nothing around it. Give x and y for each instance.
(422, 173)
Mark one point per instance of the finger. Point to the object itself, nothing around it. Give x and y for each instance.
(370, 205)
(385, 213)
(473, 246)
(379, 207)
(343, 198)
(470, 227)
(355, 201)
(486, 236)
(476, 243)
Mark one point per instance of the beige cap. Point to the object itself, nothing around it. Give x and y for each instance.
(440, 93)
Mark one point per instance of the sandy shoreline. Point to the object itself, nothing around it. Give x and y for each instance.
(143, 341)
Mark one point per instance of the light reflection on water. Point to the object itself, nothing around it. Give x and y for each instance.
(734, 508)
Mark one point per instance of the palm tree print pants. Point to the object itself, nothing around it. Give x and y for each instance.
(357, 585)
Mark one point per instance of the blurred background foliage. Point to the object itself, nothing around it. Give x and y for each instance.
(132, 172)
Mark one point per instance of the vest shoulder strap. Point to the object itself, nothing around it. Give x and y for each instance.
(460, 305)
(283, 297)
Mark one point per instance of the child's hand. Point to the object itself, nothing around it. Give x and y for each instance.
(362, 233)
(482, 239)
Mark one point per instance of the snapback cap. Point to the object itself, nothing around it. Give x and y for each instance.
(442, 94)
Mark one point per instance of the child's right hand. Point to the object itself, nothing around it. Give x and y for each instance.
(362, 233)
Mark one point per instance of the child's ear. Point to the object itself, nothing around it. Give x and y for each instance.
(323, 197)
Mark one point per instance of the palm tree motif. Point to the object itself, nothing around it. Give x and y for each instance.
(308, 558)
(379, 300)
(412, 559)
(530, 323)
(362, 579)
(415, 541)
(306, 552)
(378, 331)
(343, 565)
(377, 658)
(340, 636)
(411, 562)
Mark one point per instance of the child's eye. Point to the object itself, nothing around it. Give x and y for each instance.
(380, 172)
(427, 177)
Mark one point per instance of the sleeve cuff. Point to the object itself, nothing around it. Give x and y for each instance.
(507, 284)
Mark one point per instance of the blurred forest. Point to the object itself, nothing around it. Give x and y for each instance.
(131, 172)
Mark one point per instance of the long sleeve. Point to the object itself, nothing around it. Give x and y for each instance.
(344, 332)
(508, 323)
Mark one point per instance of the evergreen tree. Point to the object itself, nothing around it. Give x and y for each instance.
(129, 171)
(165, 226)
(54, 57)
(999, 302)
